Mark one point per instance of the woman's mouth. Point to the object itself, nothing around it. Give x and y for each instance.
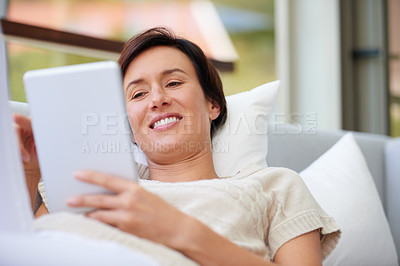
(165, 121)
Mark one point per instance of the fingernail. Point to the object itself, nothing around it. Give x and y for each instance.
(25, 158)
(72, 201)
(79, 174)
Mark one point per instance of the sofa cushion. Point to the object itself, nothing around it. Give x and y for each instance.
(243, 138)
(341, 182)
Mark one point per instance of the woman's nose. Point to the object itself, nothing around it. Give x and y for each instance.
(159, 98)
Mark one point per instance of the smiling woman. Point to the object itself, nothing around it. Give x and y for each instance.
(173, 95)
(206, 74)
(259, 216)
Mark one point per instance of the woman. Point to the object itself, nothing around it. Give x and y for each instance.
(175, 102)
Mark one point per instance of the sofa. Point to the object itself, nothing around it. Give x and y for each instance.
(289, 145)
(290, 148)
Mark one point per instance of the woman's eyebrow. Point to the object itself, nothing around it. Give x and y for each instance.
(170, 71)
(164, 73)
(133, 82)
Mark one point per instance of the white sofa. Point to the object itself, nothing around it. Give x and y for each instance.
(290, 147)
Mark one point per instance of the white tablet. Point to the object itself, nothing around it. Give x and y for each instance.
(79, 123)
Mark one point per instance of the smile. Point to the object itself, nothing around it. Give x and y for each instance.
(163, 121)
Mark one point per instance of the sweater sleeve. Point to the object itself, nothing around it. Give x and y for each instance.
(293, 211)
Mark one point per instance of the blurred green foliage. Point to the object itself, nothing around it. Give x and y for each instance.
(256, 49)
(33, 58)
(394, 119)
(262, 6)
(256, 64)
(394, 127)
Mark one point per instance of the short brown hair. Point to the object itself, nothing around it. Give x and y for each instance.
(207, 75)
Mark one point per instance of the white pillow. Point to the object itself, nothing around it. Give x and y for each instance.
(342, 184)
(243, 138)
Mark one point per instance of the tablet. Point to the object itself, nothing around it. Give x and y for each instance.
(79, 122)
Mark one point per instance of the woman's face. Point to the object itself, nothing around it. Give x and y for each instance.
(167, 109)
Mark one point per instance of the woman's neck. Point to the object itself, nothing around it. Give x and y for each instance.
(195, 167)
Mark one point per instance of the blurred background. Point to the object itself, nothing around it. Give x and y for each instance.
(338, 60)
(247, 24)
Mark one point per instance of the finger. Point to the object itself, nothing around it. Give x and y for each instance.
(23, 121)
(111, 217)
(24, 152)
(98, 201)
(109, 182)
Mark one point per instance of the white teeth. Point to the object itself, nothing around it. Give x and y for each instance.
(165, 121)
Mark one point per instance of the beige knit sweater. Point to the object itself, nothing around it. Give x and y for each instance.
(259, 209)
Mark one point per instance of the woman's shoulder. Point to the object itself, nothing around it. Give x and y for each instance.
(254, 171)
(277, 180)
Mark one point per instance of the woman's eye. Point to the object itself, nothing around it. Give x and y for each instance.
(138, 95)
(174, 84)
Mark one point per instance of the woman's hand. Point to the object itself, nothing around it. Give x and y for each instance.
(22, 125)
(133, 209)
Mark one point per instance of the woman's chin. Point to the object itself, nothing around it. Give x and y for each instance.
(172, 151)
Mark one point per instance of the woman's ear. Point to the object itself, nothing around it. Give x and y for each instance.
(214, 110)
